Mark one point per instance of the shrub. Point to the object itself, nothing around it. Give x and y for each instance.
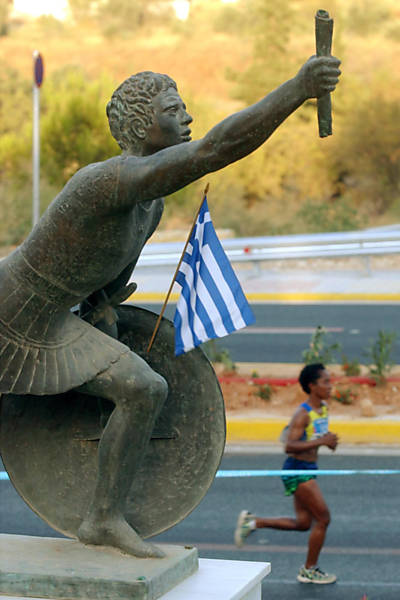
(218, 355)
(319, 351)
(264, 391)
(350, 367)
(344, 395)
(379, 354)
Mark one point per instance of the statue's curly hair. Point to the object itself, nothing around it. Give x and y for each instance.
(130, 111)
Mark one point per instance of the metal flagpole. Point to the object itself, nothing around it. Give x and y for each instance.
(37, 82)
(176, 272)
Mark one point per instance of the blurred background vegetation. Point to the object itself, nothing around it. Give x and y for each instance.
(224, 55)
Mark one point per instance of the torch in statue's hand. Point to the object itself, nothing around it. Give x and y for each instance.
(319, 76)
(323, 41)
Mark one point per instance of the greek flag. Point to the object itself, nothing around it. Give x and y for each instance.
(212, 303)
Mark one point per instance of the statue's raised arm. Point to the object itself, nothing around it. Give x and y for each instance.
(159, 156)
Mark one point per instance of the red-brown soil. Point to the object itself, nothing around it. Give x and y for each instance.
(243, 393)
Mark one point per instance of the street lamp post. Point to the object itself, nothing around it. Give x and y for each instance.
(38, 71)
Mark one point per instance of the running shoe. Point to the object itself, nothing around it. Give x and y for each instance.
(243, 528)
(315, 575)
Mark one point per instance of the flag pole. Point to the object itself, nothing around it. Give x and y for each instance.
(176, 272)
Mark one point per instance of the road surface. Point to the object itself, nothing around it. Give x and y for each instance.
(362, 546)
(283, 331)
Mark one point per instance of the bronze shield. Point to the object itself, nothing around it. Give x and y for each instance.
(49, 443)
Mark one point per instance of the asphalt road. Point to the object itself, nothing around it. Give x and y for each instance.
(362, 546)
(283, 331)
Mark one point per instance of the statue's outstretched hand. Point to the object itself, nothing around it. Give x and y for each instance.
(319, 75)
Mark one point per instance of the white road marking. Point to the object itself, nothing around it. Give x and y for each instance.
(294, 549)
(287, 330)
(341, 583)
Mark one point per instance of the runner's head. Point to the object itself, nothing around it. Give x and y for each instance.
(310, 374)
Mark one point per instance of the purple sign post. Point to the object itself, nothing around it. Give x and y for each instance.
(38, 71)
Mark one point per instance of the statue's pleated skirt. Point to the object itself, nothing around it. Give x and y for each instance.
(45, 348)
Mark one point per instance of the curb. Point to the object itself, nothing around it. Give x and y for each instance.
(282, 381)
(362, 431)
(159, 297)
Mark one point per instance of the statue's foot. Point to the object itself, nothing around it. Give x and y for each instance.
(117, 533)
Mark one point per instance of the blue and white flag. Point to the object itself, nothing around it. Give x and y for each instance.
(212, 303)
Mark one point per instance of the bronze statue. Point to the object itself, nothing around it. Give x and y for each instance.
(83, 251)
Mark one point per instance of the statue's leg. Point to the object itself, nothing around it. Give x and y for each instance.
(138, 394)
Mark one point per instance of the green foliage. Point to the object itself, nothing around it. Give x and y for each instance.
(74, 127)
(338, 214)
(82, 10)
(120, 17)
(366, 159)
(379, 355)
(228, 19)
(264, 391)
(319, 351)
(125, 16)
(5, 10)
(350, 367)
(344, 395)
(341, 183)
(50, 25)
(268, 25)
(218, 355)
(15, 100)
(364, 16)
(16, 207)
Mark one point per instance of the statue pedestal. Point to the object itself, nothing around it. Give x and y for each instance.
(222, 580)
(52, 568)
(63, 568)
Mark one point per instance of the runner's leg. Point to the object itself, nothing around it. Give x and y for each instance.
(310, 498)
(301, 522)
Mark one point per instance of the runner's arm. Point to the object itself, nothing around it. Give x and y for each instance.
(295, 444)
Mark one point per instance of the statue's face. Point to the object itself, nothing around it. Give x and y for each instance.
(171, 122)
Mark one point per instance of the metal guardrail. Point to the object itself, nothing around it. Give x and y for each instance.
(283, 247)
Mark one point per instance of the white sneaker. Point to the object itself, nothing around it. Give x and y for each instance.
(315, 575)
(243, 528)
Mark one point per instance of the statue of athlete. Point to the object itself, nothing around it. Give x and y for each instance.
(83, 251)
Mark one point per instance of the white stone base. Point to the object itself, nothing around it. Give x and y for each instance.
(215, 580)
(222, 580)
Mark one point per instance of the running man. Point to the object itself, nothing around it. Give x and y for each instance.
(307, 431)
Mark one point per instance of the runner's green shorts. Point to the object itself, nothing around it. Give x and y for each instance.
(292, 482)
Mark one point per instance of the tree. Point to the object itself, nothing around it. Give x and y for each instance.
(365, 157)
(268, 25)
(15, 99)
(5, 10)
(120, 16)
(74, 127)
(82, 10)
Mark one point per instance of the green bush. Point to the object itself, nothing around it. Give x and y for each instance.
(319, 351)
(75, 129)
(332, 215)
(350, 367)
(379, 355)
(264, 392)
(218, 355)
